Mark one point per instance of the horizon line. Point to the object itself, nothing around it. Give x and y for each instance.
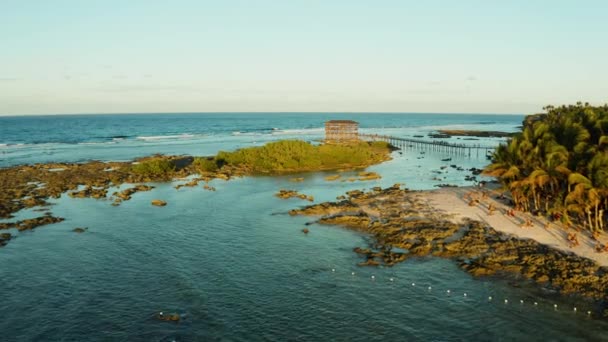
(257, 112)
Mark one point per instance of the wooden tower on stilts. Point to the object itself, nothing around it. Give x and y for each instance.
(341, 131)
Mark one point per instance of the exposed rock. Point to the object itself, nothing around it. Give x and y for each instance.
(168, 317)
(191, 183)
(208, 187)
(80, 229)
(476, 171)
(159, 203)
(445, 185)
(366, 176)
(369, 262)
(125, 195)
(90, 192)
(305, 230)
(5, 238)
(223, 176)
(332, 178)
(286, 194)
(28, 224)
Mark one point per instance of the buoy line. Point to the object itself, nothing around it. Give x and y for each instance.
(448, 292)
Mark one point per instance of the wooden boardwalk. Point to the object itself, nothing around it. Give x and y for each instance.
(467, 150)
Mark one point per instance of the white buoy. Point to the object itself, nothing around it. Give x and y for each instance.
(373, 277)
(490, 298)
(391, 279)
(413, 284)
(574, 309)
(333, 270)
(555, 306)
(465, 294)
(448, 291)
(352, 273)
(589, 313)
(521, 301)
(506, 301)
(535, 303)
(430, 288)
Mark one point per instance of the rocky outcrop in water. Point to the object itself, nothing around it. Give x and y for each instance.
(125, 195)
(29, 186)
(168, 317)
(367, 176)
(90, 192)
(28, 224)
(286, 194)
(5, 238)
(401, 220)
(158, 203)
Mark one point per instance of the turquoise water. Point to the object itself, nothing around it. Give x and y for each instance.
(238, 268)
(35, 139)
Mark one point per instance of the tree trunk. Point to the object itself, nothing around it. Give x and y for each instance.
(597, 217)
(589, 220)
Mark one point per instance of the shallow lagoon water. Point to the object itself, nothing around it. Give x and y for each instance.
(237, 267)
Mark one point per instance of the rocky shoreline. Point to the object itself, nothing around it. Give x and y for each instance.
(29, 186)
(404, 225)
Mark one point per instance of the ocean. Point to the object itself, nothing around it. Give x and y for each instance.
(233, 263)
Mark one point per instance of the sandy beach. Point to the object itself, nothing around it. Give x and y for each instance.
(455, 203)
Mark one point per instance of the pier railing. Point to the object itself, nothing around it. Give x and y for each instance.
(469, 150)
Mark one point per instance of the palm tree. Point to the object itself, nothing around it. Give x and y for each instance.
(559, 158)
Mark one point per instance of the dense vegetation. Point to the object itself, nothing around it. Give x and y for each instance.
(274, 157)
(156, 167)
(558, 164)
(294, 155)
(205, 164)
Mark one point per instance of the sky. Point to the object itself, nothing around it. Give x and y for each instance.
(118, 56)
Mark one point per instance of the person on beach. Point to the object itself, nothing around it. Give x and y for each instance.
(573, 239)
(527, 224)
(491, 209)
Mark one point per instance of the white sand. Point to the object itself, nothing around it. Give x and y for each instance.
(455, 203)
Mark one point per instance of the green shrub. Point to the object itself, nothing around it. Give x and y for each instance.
(156, 167)
(380, 145)
(205, 164)
(295, 155)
